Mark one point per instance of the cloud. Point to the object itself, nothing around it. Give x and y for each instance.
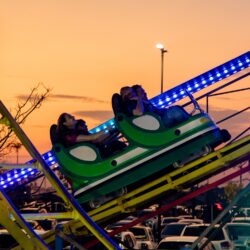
(76, 97)
(235, 125)
(99, 115)
(68, 97)
(240, 119)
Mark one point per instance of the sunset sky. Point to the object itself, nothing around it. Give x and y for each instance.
(86, 50)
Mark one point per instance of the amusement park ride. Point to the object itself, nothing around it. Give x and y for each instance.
(156, 161)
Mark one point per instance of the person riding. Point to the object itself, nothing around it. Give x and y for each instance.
(72, 131)
(136, 103)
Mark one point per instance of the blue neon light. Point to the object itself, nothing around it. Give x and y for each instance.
(17, 175)
(167, 98)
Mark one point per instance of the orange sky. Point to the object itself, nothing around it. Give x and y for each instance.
(89, 49)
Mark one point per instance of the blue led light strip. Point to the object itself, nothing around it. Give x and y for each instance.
(12, 177)
(167, 98)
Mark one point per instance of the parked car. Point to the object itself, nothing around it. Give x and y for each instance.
(192, 221)
(116, 225)
(173, 229)
(241, 219)
(237, 230)
(242, 244)
(239, 233)
(220, 239)
(182, 242)
(127, 240)
(167, 220)
(185, 216)
(245, 211)
(144, 236)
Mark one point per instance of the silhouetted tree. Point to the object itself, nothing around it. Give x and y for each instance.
(27, 105)
(231, 189)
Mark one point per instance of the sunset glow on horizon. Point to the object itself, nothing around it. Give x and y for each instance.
(87, 50)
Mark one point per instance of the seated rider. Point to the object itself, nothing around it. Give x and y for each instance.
(136, 103)
(72, 131)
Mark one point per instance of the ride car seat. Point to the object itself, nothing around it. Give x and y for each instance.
(117, 104)
(54, 137)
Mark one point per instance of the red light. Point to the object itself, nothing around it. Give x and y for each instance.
(218, 206)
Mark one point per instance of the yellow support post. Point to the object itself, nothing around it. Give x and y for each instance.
(20, 230)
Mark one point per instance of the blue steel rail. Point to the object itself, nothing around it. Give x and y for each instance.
(10, 179)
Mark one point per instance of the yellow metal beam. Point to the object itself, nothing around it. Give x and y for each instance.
(20, 230)
(174, 180)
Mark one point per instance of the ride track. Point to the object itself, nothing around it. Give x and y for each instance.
(185, 177)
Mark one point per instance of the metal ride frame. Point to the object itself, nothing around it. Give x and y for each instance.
(209, 165)
(11, 213)
(187, 197)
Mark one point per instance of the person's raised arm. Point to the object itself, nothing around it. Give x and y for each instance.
(96, 137)
(139, 109)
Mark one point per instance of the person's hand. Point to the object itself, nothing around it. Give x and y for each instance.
(114, 131)
(112, 136)
(141, 94)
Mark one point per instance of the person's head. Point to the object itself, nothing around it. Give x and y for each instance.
(81, 125)
(139, 90)
(66, 121)
(127, 93)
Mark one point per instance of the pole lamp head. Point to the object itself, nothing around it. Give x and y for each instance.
(161, 47)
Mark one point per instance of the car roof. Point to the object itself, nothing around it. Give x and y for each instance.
(192, 220)
(170, 217)
(179, 238)
(178, 223)
(201, 225)
(241, 219)
(238, 223)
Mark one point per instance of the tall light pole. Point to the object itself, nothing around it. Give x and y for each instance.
(163, 51)
(17, 146)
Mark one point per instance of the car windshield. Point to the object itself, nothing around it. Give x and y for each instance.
(139, 233)
(173, 230)
(236, 231)
(196, 231)
(169, 220)
(116, 225)
(175, 245)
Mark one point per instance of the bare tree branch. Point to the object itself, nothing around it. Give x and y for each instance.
(23, 110)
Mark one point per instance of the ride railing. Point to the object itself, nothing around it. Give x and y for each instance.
(214, 93)
(11, 179)
(244, 132)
